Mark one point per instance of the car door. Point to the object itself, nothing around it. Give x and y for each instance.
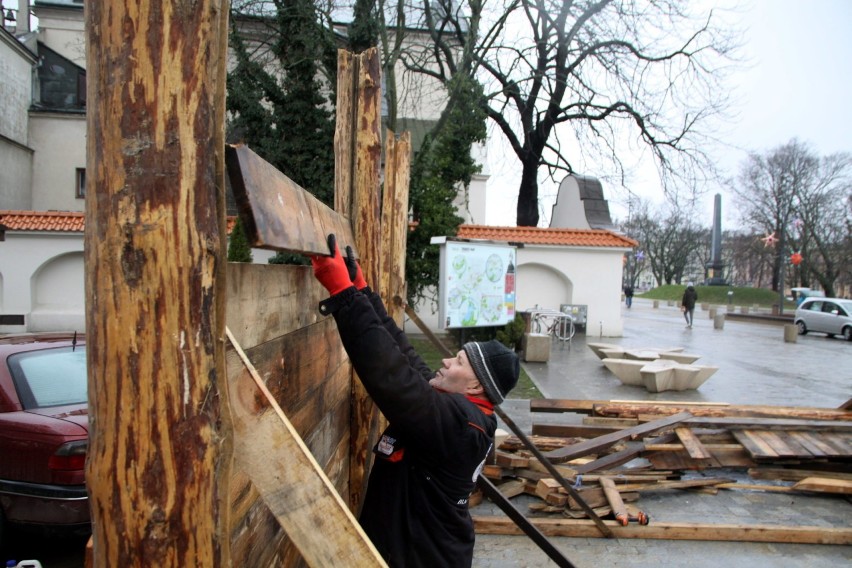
(831, 322)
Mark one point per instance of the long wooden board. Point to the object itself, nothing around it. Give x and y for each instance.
(632, 408)
(602, 442)
(291, 482)
(276, 213)
(580, 528)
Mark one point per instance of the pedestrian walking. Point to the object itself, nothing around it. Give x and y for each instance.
(687, 303)
(628, 295)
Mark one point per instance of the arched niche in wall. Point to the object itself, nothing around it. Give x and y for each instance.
(542, 285)
(58, 294)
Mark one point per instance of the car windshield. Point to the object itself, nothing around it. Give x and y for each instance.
(50, 377)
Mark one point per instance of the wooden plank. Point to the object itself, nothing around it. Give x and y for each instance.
(798, 450)
(544, 443)
(724, 457)
(631, 409)
(579, 528)
(602, 442)
(395, 221)
(276, 213)
(825, 485)
(651, 447)
(756, 487)
(693, 445)
(509, 460)
(607, 421)
(769, 423)
(794, 474)
(813, 444)
(755, 445)
(512, 488)
(841, 441)
(614, 459)
(675, 484)
(292, 483)
(344, 131)
(775, 442)
(254, 288)
(571, 430)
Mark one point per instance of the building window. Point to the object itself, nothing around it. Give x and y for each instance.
(81, 183)
(62, 83)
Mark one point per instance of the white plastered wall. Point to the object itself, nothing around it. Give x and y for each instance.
(56, 160)
(549, 276)
(42, 279)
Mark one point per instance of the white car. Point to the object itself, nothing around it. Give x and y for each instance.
(832, 316)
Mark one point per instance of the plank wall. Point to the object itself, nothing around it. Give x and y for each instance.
(272, 312)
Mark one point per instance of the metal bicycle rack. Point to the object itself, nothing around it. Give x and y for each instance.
(558, 324)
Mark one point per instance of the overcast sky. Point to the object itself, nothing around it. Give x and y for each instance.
(797, 85)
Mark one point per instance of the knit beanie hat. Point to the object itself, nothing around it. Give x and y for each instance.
(496, 366)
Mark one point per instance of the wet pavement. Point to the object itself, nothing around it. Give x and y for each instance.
(756, 366)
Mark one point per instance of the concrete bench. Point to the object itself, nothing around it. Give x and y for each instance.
(626, 370)
(666, 375)
(685, 358)
(597, 348)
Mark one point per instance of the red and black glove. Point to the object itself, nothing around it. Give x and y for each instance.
(354, 267)
(332, 271)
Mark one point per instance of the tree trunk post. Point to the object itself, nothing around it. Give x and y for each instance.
(155, 259)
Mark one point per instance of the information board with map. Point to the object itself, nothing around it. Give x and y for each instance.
(477, 287)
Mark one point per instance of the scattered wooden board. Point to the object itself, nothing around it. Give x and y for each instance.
(672, 531)
(271, 452)
(825, 485)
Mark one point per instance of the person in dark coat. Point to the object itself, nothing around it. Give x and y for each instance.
(687, 303)
(441, 424)
(628, 295)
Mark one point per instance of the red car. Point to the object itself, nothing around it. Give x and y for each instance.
(44, 430)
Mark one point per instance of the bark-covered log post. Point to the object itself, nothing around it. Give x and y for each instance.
(155, 259)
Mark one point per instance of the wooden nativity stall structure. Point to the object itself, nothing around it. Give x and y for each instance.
(227, 428)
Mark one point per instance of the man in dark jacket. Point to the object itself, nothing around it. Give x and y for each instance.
(687, 303)
(441, 424)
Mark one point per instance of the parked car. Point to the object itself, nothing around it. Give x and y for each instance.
(832, 316)
(44, 425)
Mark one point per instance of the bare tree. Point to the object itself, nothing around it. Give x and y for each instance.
(609, 69)
(824, 220)
(800, 200)
(673, 246)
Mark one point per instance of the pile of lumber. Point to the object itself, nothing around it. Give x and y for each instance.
(624, 449)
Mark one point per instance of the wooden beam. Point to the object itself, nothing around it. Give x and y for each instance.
(631, 409)
(602, 442)
(276, 213)
(673, 531)
(693, 445)
(291, 482)
(155, 252)
(395, 221)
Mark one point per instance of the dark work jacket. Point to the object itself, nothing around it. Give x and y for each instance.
(427, 461)
(689, 298)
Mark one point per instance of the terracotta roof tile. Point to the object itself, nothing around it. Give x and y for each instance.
(546, 236)
(53, 221)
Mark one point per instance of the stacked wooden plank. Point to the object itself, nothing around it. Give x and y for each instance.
(782, 449)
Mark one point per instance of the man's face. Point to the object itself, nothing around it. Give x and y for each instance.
(456, 375)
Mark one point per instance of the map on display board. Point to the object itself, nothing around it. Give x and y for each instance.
(477, 287)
